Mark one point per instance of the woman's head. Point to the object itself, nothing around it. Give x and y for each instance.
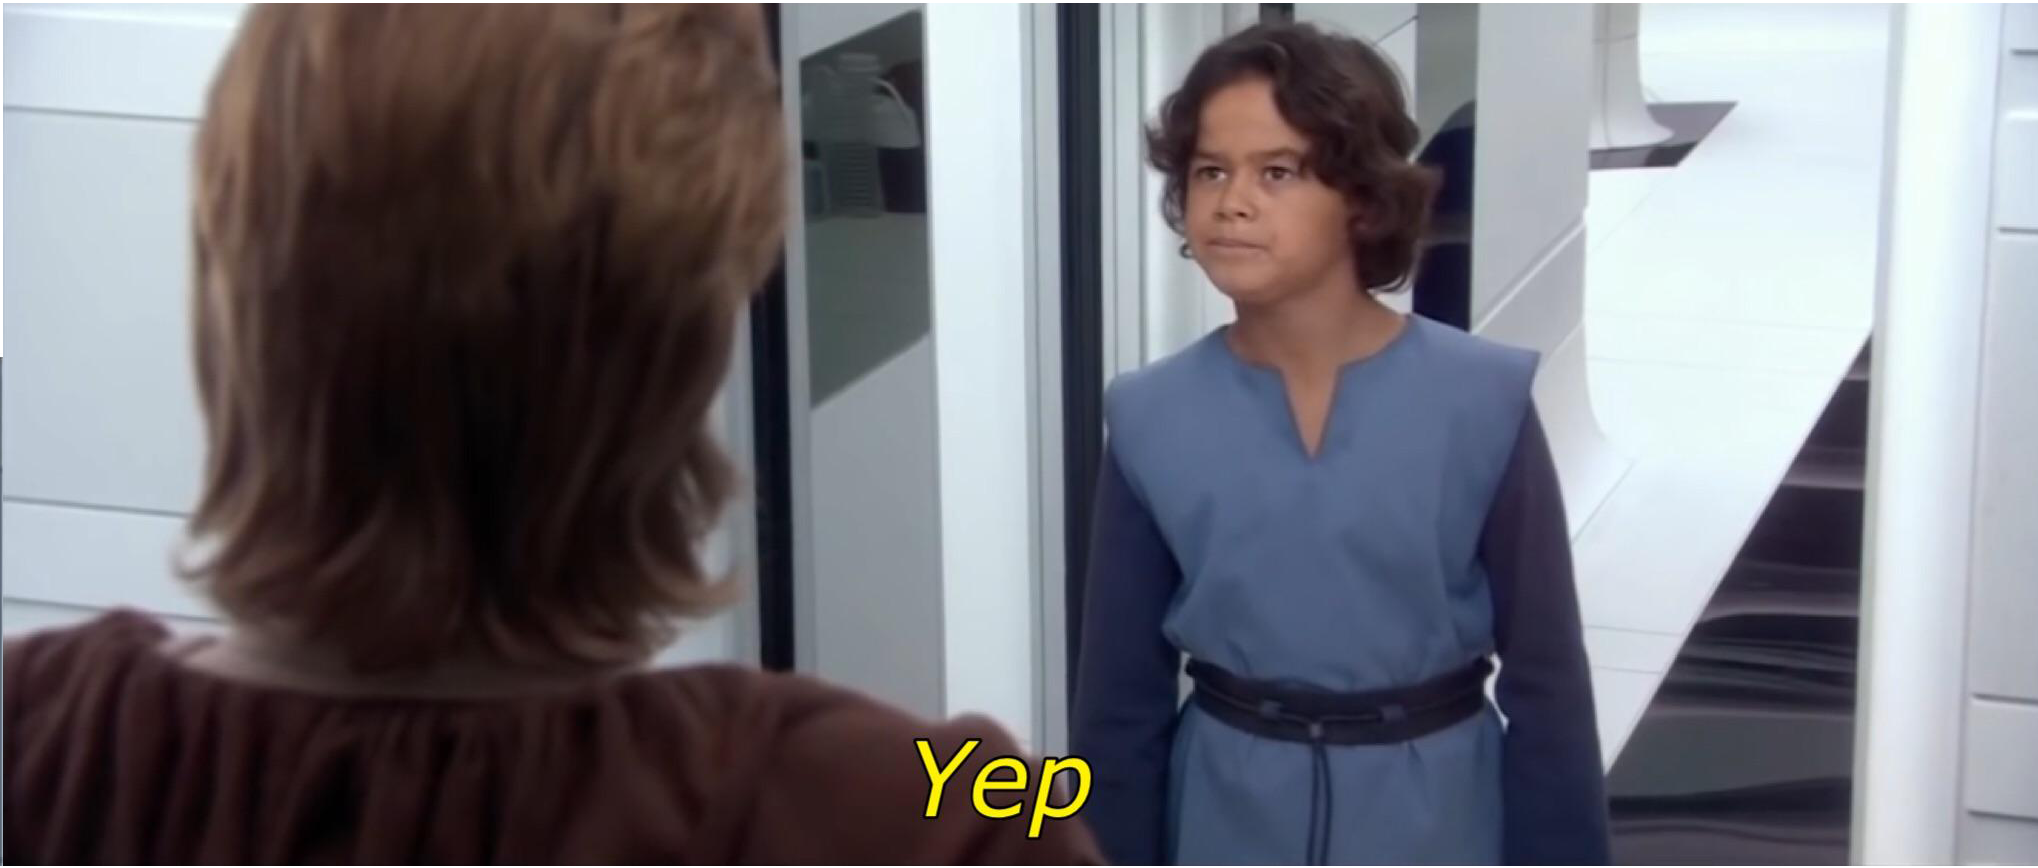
(1286, 153)
(467, 279)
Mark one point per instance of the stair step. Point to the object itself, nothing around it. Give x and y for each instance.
(1841, 468)
(1809, 526)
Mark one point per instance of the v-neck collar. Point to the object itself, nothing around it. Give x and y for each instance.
(1268, 376)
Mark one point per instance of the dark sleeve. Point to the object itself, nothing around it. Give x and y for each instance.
(1553, 783)
(1126, 675)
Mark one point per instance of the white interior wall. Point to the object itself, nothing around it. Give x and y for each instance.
(1528, 224)
(918, 563)
(867, 557)
(1389, 27)
(979, 97)
(2001, 738)
(102, 433)
(876, 544)
(1942, 414)
(1180, 303)
(102, 442)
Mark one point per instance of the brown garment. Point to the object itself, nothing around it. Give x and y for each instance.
(116, 752)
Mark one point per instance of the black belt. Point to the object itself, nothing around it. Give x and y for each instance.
(1320, 718)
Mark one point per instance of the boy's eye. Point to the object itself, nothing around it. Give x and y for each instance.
(1279, 173)
(1207, 173)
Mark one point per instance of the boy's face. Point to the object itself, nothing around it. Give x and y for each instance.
(1261, 228)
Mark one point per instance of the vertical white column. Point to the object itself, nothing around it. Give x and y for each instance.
(1921, 463)
(977, 94)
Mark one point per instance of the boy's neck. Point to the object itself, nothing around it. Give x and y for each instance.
(1314, 333)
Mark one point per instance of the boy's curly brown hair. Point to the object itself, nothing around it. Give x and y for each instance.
(1347, 100)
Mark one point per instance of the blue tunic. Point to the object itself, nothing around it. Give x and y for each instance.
(1427, 531)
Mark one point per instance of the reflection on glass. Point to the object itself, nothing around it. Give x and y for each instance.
(863, 121)
(1446, 81)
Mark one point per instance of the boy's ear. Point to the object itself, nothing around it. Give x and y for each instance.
(1362, 224)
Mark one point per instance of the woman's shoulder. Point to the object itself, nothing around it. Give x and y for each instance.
(754, 766)
(40, 662)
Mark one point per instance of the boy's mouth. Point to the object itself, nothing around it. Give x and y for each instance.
(1234, 246)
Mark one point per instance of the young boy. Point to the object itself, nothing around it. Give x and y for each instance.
(1341, 515)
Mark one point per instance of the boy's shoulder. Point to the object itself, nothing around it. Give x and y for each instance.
(1463, 354)
(1170, 383)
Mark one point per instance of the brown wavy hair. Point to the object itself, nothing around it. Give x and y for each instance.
(1347, 100)
(467, 281)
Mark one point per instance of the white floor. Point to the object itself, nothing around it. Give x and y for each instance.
(1725, 300)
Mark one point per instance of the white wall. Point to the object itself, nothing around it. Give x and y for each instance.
(1528, 223)
(1949, 710)
(876, 543)
(1181, 303)
(2000, 789)
(102, 449)
(919, 566)
(102, 434)
(979, 96)
(1390, 27)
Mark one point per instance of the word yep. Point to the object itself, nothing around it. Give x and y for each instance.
(1016, 781)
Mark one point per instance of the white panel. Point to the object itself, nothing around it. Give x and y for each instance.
(2002, 751)
(101, 407)
(2017, 173)
(1545, 312)
(2003, 649)
(1589, 466)
(1991, 840)
(122, 59)
(1631, 650)
(95, 558)
(1620, 697)
(1399, 47)
(1045, 378)
(1547, 302)
(1370, 21)
(1753, 346)
(877, 554)
(2020, 27)
(1533, 112)
(976, 99)
(1124, 210)
(1181, 303)
(1796, 28)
